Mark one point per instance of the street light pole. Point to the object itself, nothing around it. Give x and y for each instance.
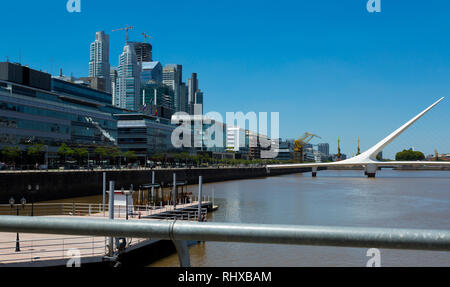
(12, 202)
(17, 234)
(32, 193)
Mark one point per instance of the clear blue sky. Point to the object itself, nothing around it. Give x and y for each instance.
(329, 67)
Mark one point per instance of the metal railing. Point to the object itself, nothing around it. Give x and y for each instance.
(184, 210)
(177, 231)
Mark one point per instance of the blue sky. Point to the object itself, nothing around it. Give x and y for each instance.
(329, 67)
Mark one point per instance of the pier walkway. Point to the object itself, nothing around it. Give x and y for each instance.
(56, 250)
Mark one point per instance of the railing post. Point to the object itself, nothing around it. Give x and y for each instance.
(174, 190)
(200, 184)
(111, 215)
(183, 252)
(104, 192)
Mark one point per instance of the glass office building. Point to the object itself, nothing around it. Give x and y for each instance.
(144, 134)
(66, 112)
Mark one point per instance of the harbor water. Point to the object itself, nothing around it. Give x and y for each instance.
(398, 199)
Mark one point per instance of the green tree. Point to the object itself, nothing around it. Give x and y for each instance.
(113, 153)
(80, 154)
(101, 153)
(35, 151)
(409, 155)
(129, 156)
(11, 153)
(65, 152)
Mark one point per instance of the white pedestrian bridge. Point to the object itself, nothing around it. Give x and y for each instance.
(367, 159)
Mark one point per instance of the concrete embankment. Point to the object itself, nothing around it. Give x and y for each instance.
(54, 185)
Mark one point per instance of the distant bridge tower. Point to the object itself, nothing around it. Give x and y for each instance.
(339, 155)
(359, 151)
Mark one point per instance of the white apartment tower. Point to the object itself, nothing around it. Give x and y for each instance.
(128, 80)
(99, 59)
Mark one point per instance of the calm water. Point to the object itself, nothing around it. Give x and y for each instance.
(408, 199)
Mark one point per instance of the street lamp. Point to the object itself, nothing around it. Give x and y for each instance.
(127, 193)
(33, 192)
(23, 201)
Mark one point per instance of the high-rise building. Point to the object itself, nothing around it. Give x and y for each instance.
(143, 51)
(113, 76)
(324, 148)
(184, 103)
(198, 98)
(172, 77)
(151, 71)
(157, 99)
(99, 59)
(192, 88)
(128, 80)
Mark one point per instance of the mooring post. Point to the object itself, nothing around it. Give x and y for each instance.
(111, 215)
(200, 183)
(174, 191)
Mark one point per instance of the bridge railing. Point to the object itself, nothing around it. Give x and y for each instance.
(181, 231)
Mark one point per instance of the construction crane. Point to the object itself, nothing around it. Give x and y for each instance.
(300, 143)
(146, 36)
(125, 28)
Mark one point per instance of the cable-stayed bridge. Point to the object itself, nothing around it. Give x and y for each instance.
(367, 159)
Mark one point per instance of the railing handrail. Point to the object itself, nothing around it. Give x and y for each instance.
(393, 238)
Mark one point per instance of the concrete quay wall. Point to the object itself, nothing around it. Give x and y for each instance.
(55, 185)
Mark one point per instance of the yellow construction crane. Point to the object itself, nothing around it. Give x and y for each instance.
(300, 143)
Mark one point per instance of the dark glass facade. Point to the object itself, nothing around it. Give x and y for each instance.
(32, 115)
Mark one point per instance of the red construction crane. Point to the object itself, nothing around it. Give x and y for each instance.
(126, 29)
(145, 37)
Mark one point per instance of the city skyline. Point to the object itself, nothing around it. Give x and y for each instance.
(341, 80)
